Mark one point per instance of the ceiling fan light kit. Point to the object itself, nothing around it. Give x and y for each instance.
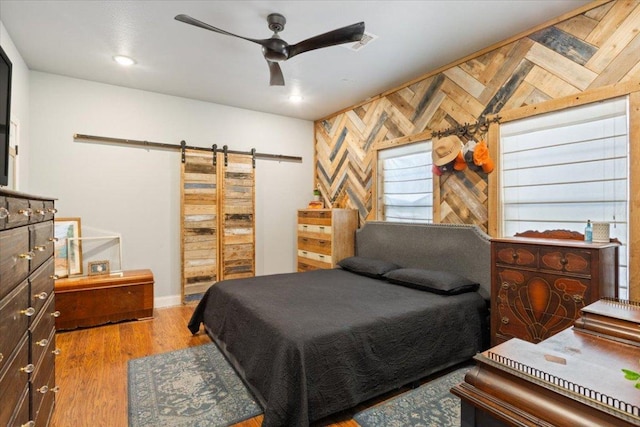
(276, 50)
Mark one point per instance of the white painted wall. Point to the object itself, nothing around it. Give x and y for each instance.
(135, 192)
(19, 103)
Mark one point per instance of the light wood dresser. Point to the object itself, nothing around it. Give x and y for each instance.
(325, 236)
(27, 310)
(539, 285)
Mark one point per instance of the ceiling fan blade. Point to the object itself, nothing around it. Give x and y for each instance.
(276, 77)
(350, 33)
(192, 21)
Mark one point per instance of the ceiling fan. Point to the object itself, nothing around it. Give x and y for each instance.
(276, 50)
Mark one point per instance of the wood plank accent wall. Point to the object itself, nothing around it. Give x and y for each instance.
(592, 50)
(217, 219)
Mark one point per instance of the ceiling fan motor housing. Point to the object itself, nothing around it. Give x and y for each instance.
(276, 22)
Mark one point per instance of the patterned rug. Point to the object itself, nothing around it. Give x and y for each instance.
(191, 387)
(430, 405)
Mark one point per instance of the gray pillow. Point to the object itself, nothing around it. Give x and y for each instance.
(438, 282)
(367, 266)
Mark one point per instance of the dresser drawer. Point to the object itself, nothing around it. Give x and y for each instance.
(308, 264)
(41, 332)
(13, 380)
(42, 285)
(49, 210)
(36, 211)
(319, 217)
(21, 415)
(517, 255)
(319, 231)
(542, 293)
(314, 256)
(14, 258)
(43, 387)
(40, 243)
(321, 246)
(19, 212)
(524, 324)
(568, 260)
(13, 320)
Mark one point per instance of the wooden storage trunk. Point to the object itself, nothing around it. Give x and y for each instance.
(97, 300)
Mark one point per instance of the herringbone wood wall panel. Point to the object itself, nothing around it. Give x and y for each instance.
(595, 49)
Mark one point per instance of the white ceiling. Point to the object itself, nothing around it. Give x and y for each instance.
(79, 39)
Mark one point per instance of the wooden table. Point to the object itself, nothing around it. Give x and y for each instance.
(96, 300)
(574, 378)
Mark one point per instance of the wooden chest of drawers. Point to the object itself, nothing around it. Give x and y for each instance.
(540, 285)
(325, 236)
(97, 300)
(27, 310)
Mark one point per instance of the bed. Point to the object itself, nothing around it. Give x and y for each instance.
(314, 343)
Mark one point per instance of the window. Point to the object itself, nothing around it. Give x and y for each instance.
(405, 183)
(564, 168)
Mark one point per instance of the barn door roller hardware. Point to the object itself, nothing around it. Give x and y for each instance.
(183, 147)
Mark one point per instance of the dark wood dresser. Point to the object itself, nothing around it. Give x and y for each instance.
(27, 310)
(587, 375)
(540, 284)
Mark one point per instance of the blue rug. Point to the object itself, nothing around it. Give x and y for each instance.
(191, 387)
(430, 405)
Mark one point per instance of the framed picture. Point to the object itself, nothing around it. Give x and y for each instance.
(68, 259)
(98, 267)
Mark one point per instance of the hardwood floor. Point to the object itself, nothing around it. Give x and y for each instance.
(91, 370)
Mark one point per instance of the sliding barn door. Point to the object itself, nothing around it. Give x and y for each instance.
(199, 223)
(237, 218)
(217, 219)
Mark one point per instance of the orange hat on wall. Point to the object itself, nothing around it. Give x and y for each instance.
(445, 150)
(481, 157)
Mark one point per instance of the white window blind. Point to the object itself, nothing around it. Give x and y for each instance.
(405, 183)
(559, 170)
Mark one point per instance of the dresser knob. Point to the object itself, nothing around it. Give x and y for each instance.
(56, 352)
(321, 228)
(28, 369)
(39, 248)
(25, 212)
(505, 285)
(54, 277)
(27, 256)
(28, 312)
(40, 212)
(56, 313)
(44, 389)
(514, 255)
(43, 342)
(53, 239)
(505, 320)
(29, 424)
(42, 295)
(577, 298)
(55, 389)
(564, 261)
(1, 357)
(4, 213)
(52, 210)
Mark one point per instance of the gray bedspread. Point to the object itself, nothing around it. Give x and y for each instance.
(311, 344)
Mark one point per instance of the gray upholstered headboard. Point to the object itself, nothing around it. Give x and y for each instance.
(460, 249)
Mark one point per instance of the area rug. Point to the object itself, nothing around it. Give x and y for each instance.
(191, 387)
(430, 405)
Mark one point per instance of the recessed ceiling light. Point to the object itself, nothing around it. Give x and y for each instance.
(295, 98)
(124, 60)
